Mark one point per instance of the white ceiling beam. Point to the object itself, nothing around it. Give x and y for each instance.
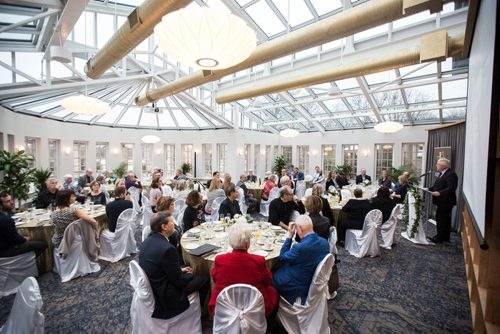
(28, 20)
(302, 112)
(55, 4)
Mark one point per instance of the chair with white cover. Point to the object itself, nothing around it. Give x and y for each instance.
(312, 317)
(147, 212)
(345, 195)
(300, 189)
(239, 309)
(386, 236)
(120, 244)
(241, 200)
(264, 205)
(143, 304)
(146, 231)
(13, 271)
(135, 193)
(76, 261)
(25, 315)
(178, 207)
(333, 281)
(308, 192)
(166, 190)
(214, 209)
(361, 243)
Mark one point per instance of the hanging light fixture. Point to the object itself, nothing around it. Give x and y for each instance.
(289, 133)
(205, 38)
(85, 105)
(150, 139)
(388, 127)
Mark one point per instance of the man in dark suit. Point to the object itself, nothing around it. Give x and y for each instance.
(249, 200)
(356, 209)
(293, 278)
(444, 197)
(115, 208)
(86, 180)
(363, 177)
(170, 283)
(251, 177)
(230, 206)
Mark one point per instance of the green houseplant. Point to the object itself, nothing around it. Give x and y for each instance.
(121, 170)
(394, 173)
(15, 174)
(186, 168)
(280, 162)
(40, 177)
(346, 169)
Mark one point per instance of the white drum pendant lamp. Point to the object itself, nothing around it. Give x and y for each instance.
(388, 127)
(60, 54)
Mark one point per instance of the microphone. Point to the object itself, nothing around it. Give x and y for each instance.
(426, 173)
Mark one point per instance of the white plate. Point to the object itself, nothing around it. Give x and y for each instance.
(39, 211)
(276, 228)
(218, 228)
(260, 241)
(20, 223)
(192, 245)
(268, 248)
(194, 230)
(261, 252)
(337, 206)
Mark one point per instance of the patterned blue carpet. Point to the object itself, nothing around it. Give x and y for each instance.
(409, 289)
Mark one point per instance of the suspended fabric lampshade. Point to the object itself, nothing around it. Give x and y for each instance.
(388, 127)
(85, 105)
(289, 133)
(150, 139)
(205, 38)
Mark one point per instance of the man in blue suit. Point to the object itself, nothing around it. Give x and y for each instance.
(293, 278)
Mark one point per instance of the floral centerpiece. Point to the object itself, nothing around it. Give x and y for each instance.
(366, 183)
(241, 219)
(333, 191)
(252, 185)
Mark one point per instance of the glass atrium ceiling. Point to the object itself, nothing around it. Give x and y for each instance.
(427, 93)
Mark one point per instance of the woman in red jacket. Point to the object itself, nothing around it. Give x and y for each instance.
(241, 267)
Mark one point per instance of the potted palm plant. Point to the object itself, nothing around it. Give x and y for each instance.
(40, 177)
(15, 174)
(280, 162)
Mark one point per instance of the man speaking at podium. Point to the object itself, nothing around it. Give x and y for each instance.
(444, 197)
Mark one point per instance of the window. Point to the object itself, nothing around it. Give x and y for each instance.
(79, 157)
(222, 157)
(412, 156)
(286, 151)
(351, 156)
(269, 158)
(256, 154)
(383, 158)
(328, 155)
(32, 149)
(54, 145)
(187, 153)
(170, 159)
(128, 155)
(247, 157)
(11, 143)
(101, 157)
(303, 155)
(146, 160)
(206, 151)
(1, 141)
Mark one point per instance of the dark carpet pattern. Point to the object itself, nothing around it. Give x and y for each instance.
(409, 289)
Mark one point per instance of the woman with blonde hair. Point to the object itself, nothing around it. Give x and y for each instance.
(318, 190)
(227, 182)
(213, 192)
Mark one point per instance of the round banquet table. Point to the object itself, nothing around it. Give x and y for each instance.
(215, 234)
(39, 227)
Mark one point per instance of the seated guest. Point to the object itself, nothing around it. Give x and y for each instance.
(397, 185)
(216, 177)
(47, 196)
(356, 209)
(120, 182)
(132, 181)
(321, 224)
(214, 191)
(384, 181)
(95, 195)
(155, 193)
(249, 200)
(281, 209)
(270, 184)
(399, 194)
(318, 190)
(116, 207)
(230, 206)
(318, 176)
(286, 181)
(181, 190)
(251, 177)
(363, 177)
(284, 172)
(193, 214)
(170, 283)
(102, 185)
(240, 267)
(111, 177)
(298, 175)
(268, 173)
(66, 213)
(68, 185)
(331, 181)
(227, 182)
(11, 242)
(341, 179)
(85, 180)
(179, 175)
(293, 278)
(383, 202)
(167, 204)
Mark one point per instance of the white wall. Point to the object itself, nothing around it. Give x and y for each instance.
(23, 125)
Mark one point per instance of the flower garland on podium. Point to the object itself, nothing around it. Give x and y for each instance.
(418, 212)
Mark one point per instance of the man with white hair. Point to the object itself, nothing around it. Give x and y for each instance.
(251, 177)
(363, 177)
(47, 196)
(281, 208)
(444, 197)
(87, 179)
(68, 185)
(293, 278)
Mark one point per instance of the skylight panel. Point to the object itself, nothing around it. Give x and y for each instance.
(8, 36)
(422, 70)
(358, 102)
(243, 2)
(82, 118)
(110, 116)
(454, 89)
(165, 120)
(183, 121)
(60, 114)
(381, 29)
(390, 98)
(106, 29)
(46, 106)
(409, 20)
(298, 13)
(148, 119)
(198, 120)
(79, 33)
(347, 83)
(30, 63)
(8, 19)
(335, 105)
(267, 20)
(454, 113)
(322, 6)
(429, 115)
(130, 117)
(380, 77)
(423, 94)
